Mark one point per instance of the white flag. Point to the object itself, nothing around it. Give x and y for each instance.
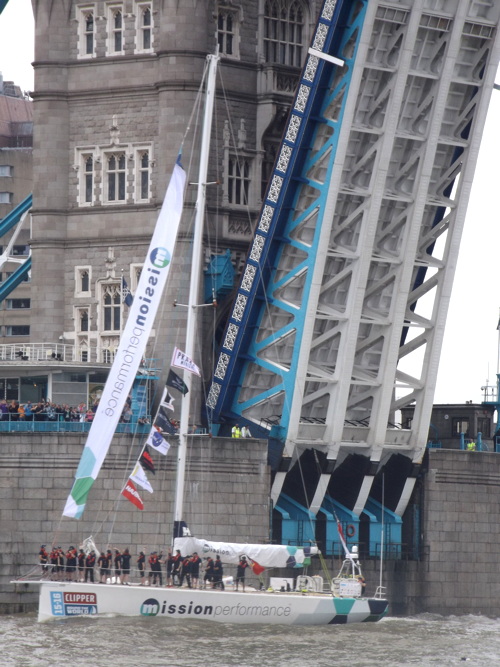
(138, 475)
(181, 360)
(158, 442)
(167, 400)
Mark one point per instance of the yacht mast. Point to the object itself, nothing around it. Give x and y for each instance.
(194, 289)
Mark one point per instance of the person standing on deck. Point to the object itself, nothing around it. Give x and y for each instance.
(102, 562)
(81, 564)
(89, 567)
(218, 573)
(43, 557)
(195, 570)
(170, 565)
(118, 566)
(154, 569)
(209, 572)
(126, 567)
(186, 571)
(140, 566)
(240, 573)
(176, 568)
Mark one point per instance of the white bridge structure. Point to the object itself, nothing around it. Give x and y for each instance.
(340, 314)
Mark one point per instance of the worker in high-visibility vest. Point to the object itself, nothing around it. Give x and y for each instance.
(471, 446)
(236, 431)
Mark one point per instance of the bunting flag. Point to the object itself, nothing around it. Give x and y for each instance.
(131, 493)
(163, 422)
(127, 297)
(139, 476)
(256, 568)
(146, 461)
(181, 360)
(167, 401)
(177, 382)
(158, 442)
(133, 343)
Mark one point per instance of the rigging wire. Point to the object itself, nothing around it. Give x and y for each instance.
(99, 520)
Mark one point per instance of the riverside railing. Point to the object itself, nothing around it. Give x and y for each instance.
(52, 426)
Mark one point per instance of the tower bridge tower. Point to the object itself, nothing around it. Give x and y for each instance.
(339, 317)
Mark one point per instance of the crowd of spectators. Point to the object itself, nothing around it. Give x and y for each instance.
(44, 410)
(48, 411)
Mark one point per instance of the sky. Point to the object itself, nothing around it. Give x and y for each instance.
(469, 358)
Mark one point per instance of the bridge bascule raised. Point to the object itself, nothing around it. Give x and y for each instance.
(340, 313)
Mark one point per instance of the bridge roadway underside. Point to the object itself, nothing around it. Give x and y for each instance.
(456, 498)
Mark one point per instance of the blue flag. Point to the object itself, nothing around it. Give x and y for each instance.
(127, 297)
(163, 422)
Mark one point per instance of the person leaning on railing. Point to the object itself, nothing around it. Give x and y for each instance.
(14, 411)
(28, 412)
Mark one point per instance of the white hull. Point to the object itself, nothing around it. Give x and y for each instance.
(64, 599)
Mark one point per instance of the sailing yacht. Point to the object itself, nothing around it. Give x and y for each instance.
(291, 600)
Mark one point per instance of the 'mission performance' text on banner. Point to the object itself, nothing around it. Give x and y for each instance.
(132, 344)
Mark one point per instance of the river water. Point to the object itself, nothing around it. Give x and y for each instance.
(419, 640)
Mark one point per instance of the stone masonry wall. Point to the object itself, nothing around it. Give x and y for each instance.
(458, 573)
(226, 499)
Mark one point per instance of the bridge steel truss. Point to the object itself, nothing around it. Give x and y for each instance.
(340, 313)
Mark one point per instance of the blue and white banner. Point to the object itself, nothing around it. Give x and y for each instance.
(133, 342)
(158, 442)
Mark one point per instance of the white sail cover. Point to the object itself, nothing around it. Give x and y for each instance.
(267, 555)
(133, 342)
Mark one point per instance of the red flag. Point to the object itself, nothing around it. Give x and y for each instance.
(256, 568)
(130, 492)
(146, 461)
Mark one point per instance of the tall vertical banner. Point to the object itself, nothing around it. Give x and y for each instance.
(132, 344)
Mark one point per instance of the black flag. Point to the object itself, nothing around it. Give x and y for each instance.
(177, 382)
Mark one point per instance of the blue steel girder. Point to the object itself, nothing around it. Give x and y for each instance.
(15, 279)
(286, 243)
(13, 218)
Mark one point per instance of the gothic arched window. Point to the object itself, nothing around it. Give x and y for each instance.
(283, 32)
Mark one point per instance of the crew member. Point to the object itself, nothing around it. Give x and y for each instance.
(240, 573)
(81, 564)
(195, 569)
(209, 572)
(43, 557)
(218, 573)
(176, 568)
(118, 566)
(140, 566)
(126, 567)
(89, 567)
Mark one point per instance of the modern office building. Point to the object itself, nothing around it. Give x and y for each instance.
(16, 183)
